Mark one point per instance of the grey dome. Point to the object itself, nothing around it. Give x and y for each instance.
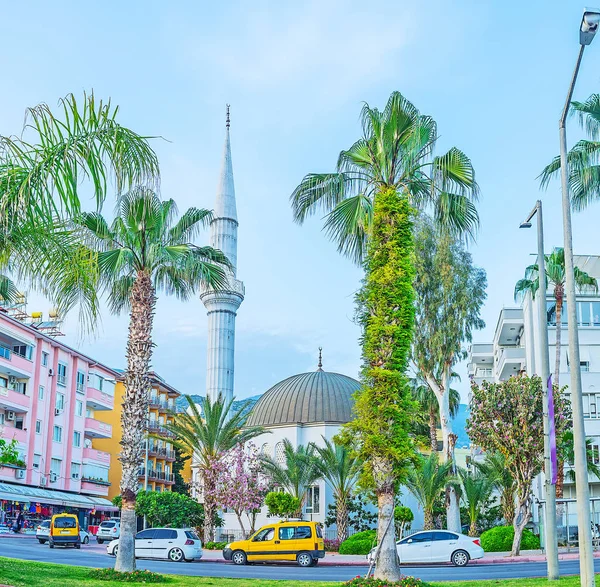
(305, 399)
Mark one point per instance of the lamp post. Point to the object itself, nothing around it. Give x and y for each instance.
(146, 464)
(587, 30)
(551, 540)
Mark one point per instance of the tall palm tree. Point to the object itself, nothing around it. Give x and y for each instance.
(298, 471)
(369, 203)
(555, 276)
(143, 252)
(427, 481)
(476, 490)
(494, 468)
(429, 406)
(568, 456)
(340, 468)
(205, 435)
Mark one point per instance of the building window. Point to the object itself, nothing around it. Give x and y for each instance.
(36, 461)
(312, 500)
(23, 350)
(60, 401)
(78, 408)
(266, 450)
(584, 365)
(80, 381)
(62, 374)
(280, 453)
(44, 359)
(75, 470)
(21, 387)
(77, 439)
(2, 418)
(595, 454)
(41, 392)
(38, 426)
(95, 472)
(5, 352)
(57, 434)
(55, 467)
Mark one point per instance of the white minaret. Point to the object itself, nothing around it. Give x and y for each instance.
(222, 306)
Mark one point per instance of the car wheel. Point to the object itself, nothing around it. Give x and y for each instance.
(239, 557)
(100, 541)
(78, 546)
(86, 540)
(115, 550)
(460, 558)
(51, 544)
(41, 541)
(304, 559)
(176, 555)
(315, 562)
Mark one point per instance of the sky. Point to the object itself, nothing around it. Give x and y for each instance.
(493, 74)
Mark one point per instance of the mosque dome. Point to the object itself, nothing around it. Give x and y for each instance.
(307, 398)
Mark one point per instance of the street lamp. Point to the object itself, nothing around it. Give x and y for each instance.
(551, 540)
(587, 31)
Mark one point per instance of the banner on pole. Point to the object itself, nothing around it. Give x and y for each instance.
(552, 433)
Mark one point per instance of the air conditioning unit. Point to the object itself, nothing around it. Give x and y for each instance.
(51, 372)
(43, 481)
(53, 477)
(12, 380)
(74, 475)
(57, 412)
(10, 415)
(20, 473)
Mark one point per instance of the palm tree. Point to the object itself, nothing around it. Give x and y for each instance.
(476, 490)
(378, 183)
(340, 469)
(142, 252)
(427, 481)
(494, 468)
(298, 471)
(429, 405)
(567, 454)
(205, 436)
(555, 276)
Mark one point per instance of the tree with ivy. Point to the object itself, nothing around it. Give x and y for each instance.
(370, 201)
(506, 417)
(450, 292)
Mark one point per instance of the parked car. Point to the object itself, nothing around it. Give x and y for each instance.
(436, 546)
(4, 529)
(84, 536)
(64, 531)
(108, 530)
(42, 531)
(174, 544)
(294, 540)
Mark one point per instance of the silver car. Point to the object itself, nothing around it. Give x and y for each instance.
(174, 544)
(108, 530)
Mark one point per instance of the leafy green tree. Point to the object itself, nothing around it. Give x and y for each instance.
(507, 418)
(450, 292)
(206, 436)
(171, 509)
(282, 504)
(9, 453)
(494, 468)
(180, 485)
(143, 252)
(370, 202)
(427, 481)
(340, 469)
(297, 473)
(476, 490)
(403, 517)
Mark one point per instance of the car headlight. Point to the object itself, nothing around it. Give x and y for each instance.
(227, 547)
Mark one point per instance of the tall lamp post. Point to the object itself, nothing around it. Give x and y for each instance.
(551, 540)
(587, 31)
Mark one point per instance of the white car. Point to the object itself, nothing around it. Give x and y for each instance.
(108, 530)
(42, 533)
(173, 544)
(85, 537)
(436, 546)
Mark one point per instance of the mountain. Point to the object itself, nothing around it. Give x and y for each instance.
(181, 403)
(460, 426)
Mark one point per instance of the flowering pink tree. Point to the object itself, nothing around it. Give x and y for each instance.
(241, 486)
(507, 418)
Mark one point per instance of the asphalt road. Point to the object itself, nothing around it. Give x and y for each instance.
(94, 555)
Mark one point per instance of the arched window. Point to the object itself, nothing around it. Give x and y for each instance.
(266, 450)
(280, 453)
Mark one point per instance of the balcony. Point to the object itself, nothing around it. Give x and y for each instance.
(509, 361)
(14, 401)
(10, 432)
(98, 400)
(161, 453)
(96, 429)
(95, 457)
(156, 428)
(508, 328)
(14, 364)
(94, 486)
(160, 476)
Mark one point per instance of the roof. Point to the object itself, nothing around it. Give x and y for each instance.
(308, 398)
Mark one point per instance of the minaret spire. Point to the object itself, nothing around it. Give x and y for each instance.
(320, 366)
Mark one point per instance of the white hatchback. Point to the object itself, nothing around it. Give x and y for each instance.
(437, 546)
(173, 544)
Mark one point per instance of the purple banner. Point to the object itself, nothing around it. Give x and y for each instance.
(552, 432)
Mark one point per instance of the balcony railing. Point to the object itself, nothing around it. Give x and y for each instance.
(156, 475)
(165, 453)
(95, 480)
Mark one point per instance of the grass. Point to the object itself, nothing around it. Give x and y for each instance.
(20, 573)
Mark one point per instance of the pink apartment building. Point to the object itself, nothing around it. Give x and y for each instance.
(49, 395)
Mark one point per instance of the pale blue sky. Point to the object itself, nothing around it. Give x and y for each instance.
(493, 74)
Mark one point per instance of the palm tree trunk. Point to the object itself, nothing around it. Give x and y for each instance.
(341, 518)
(433, 428)
(208, 491)
(473, 528)
(135, 411)
(428, 523)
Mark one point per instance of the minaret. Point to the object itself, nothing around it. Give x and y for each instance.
(222, 306)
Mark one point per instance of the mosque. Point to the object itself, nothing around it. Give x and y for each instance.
(303, 408)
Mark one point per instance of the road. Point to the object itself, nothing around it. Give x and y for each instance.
(94, 555)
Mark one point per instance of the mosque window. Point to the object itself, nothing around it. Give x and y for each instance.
(266, 450)
(280, 453)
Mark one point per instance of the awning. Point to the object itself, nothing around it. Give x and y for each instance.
(27, 493)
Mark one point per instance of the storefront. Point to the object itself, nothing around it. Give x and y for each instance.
(27, 506)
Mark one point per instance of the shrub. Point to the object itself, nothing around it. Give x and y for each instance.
(405, 581)
(215, 545)
(332, 545)
(133, 577)
(282, 504)
(500, 539)
(359, 543)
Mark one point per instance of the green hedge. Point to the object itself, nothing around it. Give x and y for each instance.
(359, 543)
(500, 539)
(215, 545)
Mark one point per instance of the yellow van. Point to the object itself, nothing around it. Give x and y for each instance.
(289, 540)
(64, 531)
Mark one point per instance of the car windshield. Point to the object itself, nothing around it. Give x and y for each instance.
(107, 524)
(191, 535)
(65, 523)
